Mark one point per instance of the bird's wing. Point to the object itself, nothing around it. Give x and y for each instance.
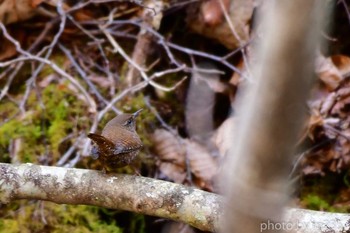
(100, 140)
(125, 146)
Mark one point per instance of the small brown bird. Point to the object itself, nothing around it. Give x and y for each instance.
(118, 144)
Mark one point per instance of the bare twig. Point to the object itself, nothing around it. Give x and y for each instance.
(31, 81)
(169, 45)
(346, 9)
(83, 76)
(130, 61)
(144, 40)
(28, 56)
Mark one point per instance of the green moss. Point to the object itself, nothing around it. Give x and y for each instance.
(25, 130)
(315, 202)
(58, 59)
(82, 219)
(54, 98)
(9, 226)
(56, 132)
(51, 115)
(8, 131)
(18, 128)
(138, 224)
(46, 123)
(50, 217)
(8, 109)
(323, 193)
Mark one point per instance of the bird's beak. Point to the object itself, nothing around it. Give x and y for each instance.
(135, 114)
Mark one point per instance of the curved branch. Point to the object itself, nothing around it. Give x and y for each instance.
(133, 193)
(144, 195)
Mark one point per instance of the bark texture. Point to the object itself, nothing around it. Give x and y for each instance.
(125, 192)
(143, 195)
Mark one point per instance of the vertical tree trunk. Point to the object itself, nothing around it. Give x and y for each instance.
(270, 114)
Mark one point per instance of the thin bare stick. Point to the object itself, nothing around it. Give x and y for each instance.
(130, 61)
(83, 76)
(90, 101)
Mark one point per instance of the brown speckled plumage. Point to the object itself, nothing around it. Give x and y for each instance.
(118, 144)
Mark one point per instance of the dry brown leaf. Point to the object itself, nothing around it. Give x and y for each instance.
(327, 159)
(172, 171)
(346, 158)
(83, 15)
(343, 92)
(36, 3)
(332, 70)
(202, 164)
(171, 150)
(312, 170)
(328, 72)
(54, 3)
(333, 166)
(7, 49)
(12, 11)
(169, 147)
(315, 121)
(342, 63)
(331, 154)
(339, 107)
(316, 163)
(327, 104)
(16, 10)
(240, 13)
(171, 154)
(223, 136)
(318, 93)
(330, 121)
(212, 12)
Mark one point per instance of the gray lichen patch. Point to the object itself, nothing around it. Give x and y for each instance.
(8, 184)
(174, 200)
(133, 193)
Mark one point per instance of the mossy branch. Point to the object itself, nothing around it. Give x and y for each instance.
(144, 195)
(118, 191)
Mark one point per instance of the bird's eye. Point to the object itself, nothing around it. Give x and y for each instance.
(128, 122)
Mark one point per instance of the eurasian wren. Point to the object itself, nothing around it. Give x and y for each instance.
(118, 144)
